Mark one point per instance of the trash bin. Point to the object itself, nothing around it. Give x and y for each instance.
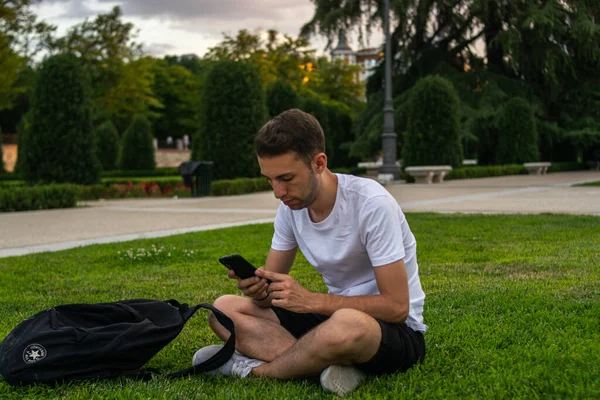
(197, 175)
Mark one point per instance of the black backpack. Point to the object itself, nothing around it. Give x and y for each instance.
(91, 341)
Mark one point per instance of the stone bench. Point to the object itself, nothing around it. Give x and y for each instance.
(537, 168)
(373, 167)
(429, 173)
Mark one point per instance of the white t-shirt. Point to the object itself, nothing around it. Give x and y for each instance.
(365, 229)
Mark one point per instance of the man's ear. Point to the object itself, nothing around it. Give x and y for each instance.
(320, 162)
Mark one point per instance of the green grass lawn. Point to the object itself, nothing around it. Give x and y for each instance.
(513, 308)
(590, 184)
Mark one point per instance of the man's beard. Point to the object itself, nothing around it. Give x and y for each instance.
(314, 188)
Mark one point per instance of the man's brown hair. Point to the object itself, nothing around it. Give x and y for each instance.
(292, 130)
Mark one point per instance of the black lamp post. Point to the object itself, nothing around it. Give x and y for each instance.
(388, 138)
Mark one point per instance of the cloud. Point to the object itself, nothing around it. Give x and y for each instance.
(224, 10)
(189, 10)
(159, 49)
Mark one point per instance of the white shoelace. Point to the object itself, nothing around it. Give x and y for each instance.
(242, 366)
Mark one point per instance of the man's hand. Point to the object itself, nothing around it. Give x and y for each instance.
(254, 287)
(286, 293)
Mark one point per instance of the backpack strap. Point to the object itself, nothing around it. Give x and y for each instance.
(223, 355)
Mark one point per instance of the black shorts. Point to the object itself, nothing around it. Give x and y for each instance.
(399, 350)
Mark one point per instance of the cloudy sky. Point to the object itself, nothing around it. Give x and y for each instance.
(188, 26)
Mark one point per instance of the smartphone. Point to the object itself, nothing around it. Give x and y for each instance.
(239, 265)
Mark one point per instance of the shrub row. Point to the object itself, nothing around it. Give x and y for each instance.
(38, 197)
(165, 171)
(485, 171)
(238, 186)
(10, 177)
(567, 166)
(133, 189)
(358, 171)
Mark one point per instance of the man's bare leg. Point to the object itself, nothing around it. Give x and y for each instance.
(349, 336)
(258, 333)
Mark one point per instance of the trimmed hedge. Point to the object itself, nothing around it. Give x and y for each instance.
(358, 171)
(133, 190)
(239, 186)
(432, 134)
(232, 111)
(59, 145)
(10, 177)
(518, 137)
(137, 150)
(107, 145)
(280, 96)
(567, 166)
(41, 197)
(486, 171)
(158, 179)
(165, 171)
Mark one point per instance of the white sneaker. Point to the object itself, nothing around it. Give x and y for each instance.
(341, 379)
(238, 365)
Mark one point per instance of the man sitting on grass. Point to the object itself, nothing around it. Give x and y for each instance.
(352, 231)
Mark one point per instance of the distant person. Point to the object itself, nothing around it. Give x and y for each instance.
(353, 232)
(186, 142)
(169, 141)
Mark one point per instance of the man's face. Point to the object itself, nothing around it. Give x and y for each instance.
(294, 183)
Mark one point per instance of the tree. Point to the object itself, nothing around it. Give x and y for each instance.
(122, 77)
(339, 118)
(337, 80)
(10, 65)
(548, 50)
(432, 136)
(107, 139)
(291, 60)
(233, 111)
(60, 143)
(137, 150)
(280, 97)
(21, 37)
(19, 26)
(130, 94)
(314, 106)
(518, 142)
(178, 91)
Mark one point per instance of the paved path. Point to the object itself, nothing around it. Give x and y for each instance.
(123, 220)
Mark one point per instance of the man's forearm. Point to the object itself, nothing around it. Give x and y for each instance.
(377, 306)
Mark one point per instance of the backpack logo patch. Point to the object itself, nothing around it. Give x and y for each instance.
(34, 353)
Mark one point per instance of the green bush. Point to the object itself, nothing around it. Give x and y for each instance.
(61, 124)
(137, 150)
(107, 142)
(433, 135)
(485, 171)
(239, 186)
(2, 170)
(138, 179)
(38, 197)
(517, 141)
(313, 105)
(232, 111)
(341, 135)
(484, 128)
(358, 171)
(280, 96)
(164, 171)
(566, 166)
